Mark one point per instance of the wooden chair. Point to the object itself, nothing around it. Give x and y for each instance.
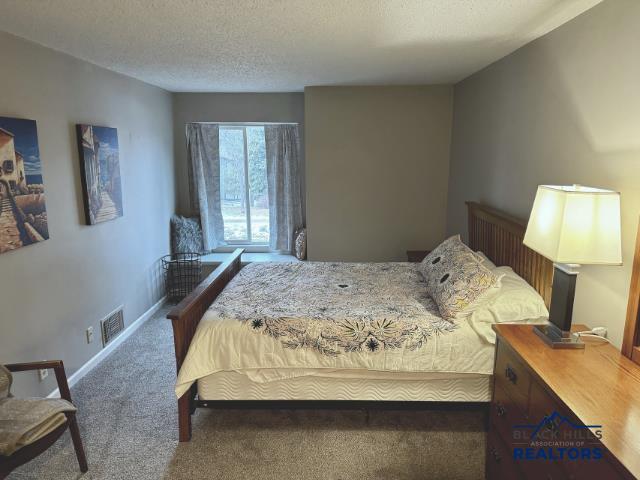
(32, 450)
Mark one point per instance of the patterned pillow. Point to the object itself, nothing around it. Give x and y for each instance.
(459, 283)
(186, 235)
(300, 243)
(450, 247)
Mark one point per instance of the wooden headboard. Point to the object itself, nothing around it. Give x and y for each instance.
(499, 236)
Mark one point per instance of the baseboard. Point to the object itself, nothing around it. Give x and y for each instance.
(115, 343)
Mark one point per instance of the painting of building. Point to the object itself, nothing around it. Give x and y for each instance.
(100, 164)
(23, 214)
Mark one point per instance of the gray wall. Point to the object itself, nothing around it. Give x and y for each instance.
(377, 162)
(564, 109)
(52, 291)
(227, 107)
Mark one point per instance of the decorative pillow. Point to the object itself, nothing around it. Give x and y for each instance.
(459, 283)
(301, 243)
(186, 235)
(452, 246)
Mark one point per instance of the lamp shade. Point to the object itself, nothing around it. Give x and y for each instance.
(575, 224)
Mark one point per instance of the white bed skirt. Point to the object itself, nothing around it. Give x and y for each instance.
(231, 385)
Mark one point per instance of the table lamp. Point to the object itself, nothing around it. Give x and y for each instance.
(572, 225)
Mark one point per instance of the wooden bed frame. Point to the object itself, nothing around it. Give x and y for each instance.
(493, 232)
(499, 236)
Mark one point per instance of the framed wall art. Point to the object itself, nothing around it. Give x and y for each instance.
(100, 171)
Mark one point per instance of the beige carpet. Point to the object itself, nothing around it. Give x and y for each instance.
(127, 415)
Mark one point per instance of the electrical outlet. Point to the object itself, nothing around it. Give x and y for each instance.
(89, 334)
(43, 373)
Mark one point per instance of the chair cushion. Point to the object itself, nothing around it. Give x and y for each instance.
(5, 382)
(26, 420)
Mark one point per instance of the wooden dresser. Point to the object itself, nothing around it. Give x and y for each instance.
(586, 402)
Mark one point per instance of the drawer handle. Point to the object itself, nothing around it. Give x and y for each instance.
(500, 410)
(511, 375)
(496, 456)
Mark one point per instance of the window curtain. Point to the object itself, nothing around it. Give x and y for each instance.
(284, 181)
(203, 151)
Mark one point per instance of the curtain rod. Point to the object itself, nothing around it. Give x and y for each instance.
(248, 123)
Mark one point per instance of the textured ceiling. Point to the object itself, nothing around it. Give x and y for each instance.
(285, 45)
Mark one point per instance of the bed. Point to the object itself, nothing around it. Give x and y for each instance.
(323, 332)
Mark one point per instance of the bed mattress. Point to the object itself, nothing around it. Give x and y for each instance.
(437, 387)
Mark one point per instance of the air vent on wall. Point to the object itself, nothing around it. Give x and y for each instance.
(112, 326)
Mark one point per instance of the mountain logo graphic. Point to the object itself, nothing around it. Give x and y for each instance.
(554, 419)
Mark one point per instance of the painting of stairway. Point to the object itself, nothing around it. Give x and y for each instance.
(23, 214)
(100, 165)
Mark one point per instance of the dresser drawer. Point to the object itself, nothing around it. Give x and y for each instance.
(505, 414)
(512, 376)
(499, 461)
(542, 405)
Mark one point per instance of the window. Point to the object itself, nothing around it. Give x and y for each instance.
(7, 166)
(243, 184)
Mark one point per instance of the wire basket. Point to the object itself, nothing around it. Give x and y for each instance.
(182, 274)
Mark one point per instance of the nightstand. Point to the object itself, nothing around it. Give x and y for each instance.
(417, 256)
(585, 401)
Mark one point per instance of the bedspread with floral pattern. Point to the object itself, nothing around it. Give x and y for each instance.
(334, 307)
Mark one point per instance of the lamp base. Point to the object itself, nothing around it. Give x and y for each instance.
(556, 338)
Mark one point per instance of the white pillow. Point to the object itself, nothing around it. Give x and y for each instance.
(516, 302)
